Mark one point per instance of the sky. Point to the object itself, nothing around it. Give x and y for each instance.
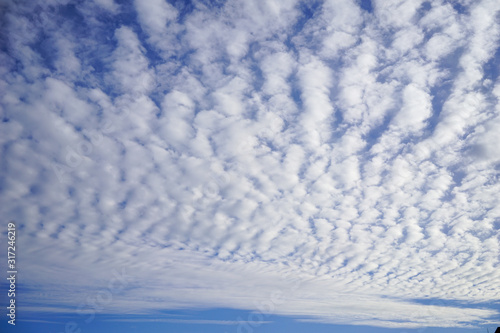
(247, 166)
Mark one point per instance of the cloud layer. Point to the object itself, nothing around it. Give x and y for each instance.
(326, 160)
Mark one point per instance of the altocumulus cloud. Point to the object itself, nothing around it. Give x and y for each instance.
(343, 156)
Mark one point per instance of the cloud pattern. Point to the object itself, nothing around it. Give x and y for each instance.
(341, 155)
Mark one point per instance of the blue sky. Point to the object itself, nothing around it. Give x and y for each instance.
(193, 166)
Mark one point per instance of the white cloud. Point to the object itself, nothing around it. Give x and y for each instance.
(155, 15)
(109, 5)
(346, 161)
(396, 13)
(130, 65)
(416, 109)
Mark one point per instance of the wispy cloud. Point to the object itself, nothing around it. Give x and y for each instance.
(185, 321)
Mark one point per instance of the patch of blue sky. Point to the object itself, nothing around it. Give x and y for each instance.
(492, 67)
(366, 5)
(308, 11)
(201, 321)
(453, 303)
